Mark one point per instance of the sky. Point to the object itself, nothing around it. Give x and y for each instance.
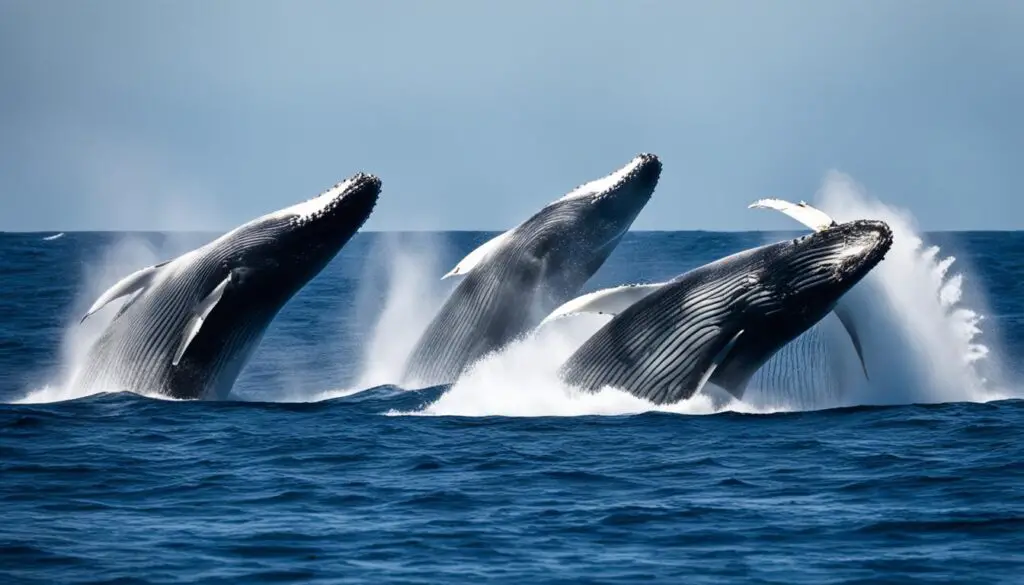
(196, 115)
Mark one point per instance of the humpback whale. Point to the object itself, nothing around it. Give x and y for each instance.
(190, 324)
(720, 322)
(510, 282)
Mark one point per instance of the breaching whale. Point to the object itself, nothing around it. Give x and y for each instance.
(720, 322)
(190, 324)
(513, 280)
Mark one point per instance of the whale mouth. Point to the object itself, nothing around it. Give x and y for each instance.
(643, 171)
(356, 196)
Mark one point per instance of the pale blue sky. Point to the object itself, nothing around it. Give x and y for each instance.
(195, 115)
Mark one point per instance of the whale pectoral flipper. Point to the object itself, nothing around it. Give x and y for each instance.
(133, 283)
(605, 361)
(846, 318)
(811, 217)
(201, 312)
(608, 301)
(717, 361)
(681, 379)
(474, 258)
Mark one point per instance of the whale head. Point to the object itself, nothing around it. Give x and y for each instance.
(281, 251)
(811, 273)
(574, 235)
(605, 208)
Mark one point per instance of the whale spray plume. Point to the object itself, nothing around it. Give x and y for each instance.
(402, 287)
(921, 340)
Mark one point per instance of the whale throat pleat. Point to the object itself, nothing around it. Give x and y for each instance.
(664, 347)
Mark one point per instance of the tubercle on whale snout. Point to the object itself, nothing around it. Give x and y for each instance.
(361, 185)
(881, 247)
(863, 263)
(862, 227)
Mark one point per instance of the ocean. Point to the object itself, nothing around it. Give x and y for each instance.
(318, 470)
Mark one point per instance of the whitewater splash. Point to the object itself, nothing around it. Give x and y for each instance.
(409, 268)
(522, 381)
(921, 344)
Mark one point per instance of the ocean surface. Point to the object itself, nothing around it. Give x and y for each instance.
(320, 471)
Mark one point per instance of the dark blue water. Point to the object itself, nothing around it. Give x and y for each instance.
(282, 485)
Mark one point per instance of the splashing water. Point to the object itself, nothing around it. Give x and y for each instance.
(414, 292)
(522, 380)
(920, 345)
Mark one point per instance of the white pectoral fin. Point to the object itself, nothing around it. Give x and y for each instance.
(477, 256)
(811, 217)
(199, 315)
(129, 285)
(609, 301)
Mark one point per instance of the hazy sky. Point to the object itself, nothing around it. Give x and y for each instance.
(203, 114)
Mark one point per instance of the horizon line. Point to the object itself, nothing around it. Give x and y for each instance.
(434, 231)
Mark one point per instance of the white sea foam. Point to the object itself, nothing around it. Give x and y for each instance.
(522, 381)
